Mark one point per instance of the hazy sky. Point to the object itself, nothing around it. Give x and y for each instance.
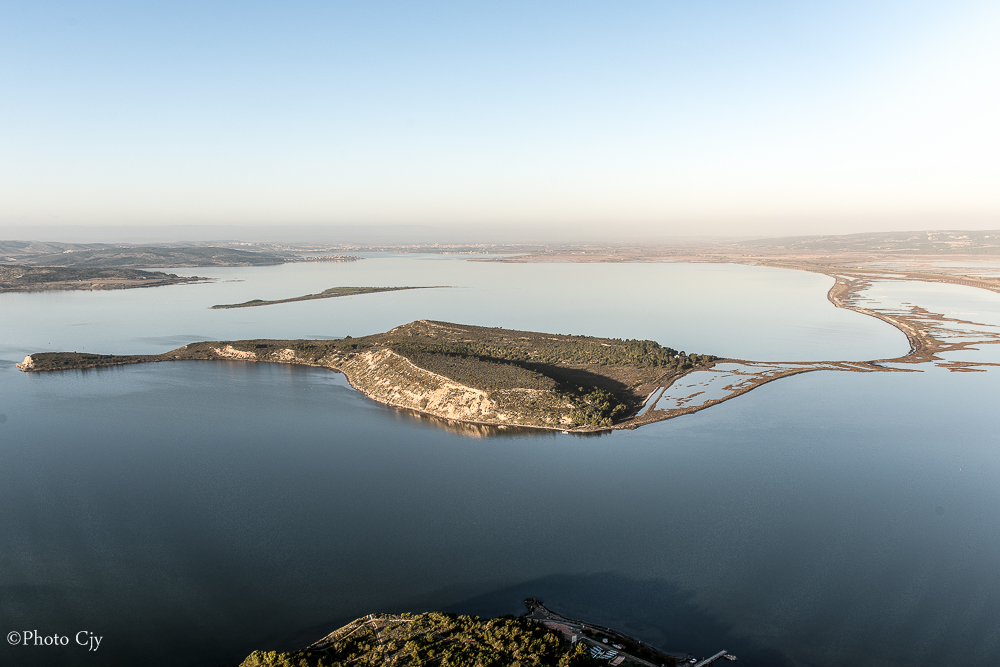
(677, 117)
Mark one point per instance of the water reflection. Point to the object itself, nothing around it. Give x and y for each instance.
(468, 429)
(195, 512)
(479, 431)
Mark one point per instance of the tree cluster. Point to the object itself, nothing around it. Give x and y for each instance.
(438, 639)
(601, 408)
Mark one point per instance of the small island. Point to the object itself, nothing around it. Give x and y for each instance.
(325, 294)
(459, 372)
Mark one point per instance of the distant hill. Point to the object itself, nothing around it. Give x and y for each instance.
(112, 256)
(19, 278)
(14, 250)
(930, 243)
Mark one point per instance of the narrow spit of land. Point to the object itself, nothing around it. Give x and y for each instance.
(930, 335)
(952, 257)
(325, 294)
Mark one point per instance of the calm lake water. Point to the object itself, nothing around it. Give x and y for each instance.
(190, 512)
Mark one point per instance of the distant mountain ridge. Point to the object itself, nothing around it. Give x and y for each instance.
(98, 255)
(923, 242)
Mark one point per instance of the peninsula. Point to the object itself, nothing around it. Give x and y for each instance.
(460, 372)
(447, 640)
(325, 294)
(18, 278)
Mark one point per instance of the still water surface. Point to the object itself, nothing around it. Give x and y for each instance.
(190, 512)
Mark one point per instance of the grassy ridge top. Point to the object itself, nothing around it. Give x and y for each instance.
(445, 640)
(530, 347)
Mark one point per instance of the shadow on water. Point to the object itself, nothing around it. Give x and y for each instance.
(17, 600)
(657, 612)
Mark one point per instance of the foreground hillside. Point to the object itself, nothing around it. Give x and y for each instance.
(478, 374)
(413, 640)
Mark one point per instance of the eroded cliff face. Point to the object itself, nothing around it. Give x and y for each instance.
(391, 378)
(230, 352)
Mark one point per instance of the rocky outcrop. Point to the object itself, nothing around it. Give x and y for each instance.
(26, 365)
(391, 378)
(230, 352)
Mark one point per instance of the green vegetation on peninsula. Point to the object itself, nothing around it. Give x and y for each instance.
(325, 294)
(446, 640)
(461, 372)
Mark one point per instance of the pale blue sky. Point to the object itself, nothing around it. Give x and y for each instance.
(680, 117)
